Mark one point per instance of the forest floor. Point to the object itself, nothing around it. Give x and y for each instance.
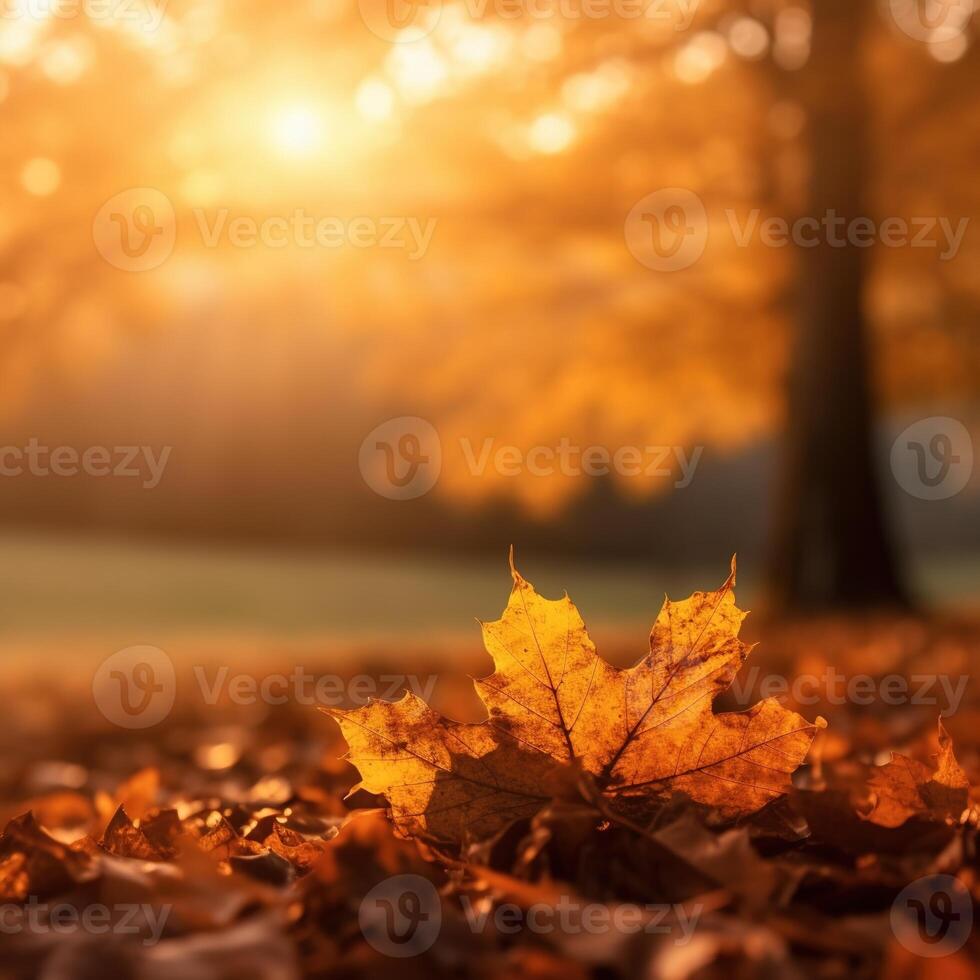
(218, 841)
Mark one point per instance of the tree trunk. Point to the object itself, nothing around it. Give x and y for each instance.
(831, 544)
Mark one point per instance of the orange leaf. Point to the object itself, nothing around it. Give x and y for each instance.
(558, 710)
(905, 788)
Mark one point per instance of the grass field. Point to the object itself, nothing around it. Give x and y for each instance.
(82, 588)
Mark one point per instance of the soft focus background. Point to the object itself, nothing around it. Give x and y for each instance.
(542, 227)
(527, 140)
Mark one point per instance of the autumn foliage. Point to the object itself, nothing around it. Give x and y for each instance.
(559, 714)
(775, 845)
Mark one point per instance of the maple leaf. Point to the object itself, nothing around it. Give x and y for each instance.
(905, 788)
(557, 711)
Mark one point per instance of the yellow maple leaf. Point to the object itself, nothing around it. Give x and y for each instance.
(558, 711)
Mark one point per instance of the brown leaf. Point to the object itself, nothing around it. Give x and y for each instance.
(34, 863)
(295, 848)
(162, 828)
(906, 788)
(124, 839)
(728, 859)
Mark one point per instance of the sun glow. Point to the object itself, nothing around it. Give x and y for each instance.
(296, 130)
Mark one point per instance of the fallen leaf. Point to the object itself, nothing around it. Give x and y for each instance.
(294, 847)
(557, 711)
(34, 863)
(124, 839)
(730, 860)
(905, 788)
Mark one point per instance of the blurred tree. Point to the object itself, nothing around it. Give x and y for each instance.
(527, 320)
(832, 545)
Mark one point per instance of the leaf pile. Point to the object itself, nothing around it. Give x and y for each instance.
(785, 842)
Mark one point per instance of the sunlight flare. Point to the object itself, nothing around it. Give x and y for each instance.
(296, 130)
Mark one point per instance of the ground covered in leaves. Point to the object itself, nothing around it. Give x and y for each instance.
(226, 839)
